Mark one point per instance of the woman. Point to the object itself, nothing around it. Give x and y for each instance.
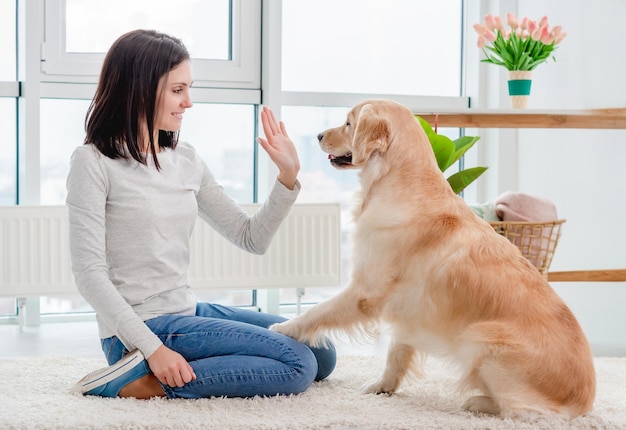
(134, 194)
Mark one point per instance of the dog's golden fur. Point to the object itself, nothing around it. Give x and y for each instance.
(444, 281)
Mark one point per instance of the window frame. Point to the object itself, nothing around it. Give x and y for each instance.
(241, 71)
(9, 89)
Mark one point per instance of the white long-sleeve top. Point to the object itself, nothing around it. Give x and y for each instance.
(130, 226)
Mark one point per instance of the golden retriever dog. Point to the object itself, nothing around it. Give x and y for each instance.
(444, 281)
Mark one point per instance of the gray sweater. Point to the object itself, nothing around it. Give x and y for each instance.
(129, 234)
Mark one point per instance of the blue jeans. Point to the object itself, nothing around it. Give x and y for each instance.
(233, 354)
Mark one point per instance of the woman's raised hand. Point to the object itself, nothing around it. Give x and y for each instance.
(280, 148)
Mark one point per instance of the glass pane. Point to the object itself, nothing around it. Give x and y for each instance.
(386, 47)
(203, 25)
(321, 182)
(8, 306)
(226, 297)
(7, 40)
(67, 303)
(62, 130)
(223, 135)
(8, 155)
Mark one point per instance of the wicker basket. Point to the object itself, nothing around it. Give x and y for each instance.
(537, 241)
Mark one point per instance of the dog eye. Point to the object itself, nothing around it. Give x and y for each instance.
(348, 124)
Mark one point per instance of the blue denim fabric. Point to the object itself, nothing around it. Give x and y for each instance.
(233, 354)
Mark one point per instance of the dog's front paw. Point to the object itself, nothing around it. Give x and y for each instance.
(298, 330)
(287, 328)
(379, 387)
(481, 404)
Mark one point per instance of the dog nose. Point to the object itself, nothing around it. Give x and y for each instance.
(320, 136)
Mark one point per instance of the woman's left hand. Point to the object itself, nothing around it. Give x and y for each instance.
(280, 148)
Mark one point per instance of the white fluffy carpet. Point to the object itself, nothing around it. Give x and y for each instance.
(35, 395)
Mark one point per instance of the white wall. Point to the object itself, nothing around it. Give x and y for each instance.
(581, 171)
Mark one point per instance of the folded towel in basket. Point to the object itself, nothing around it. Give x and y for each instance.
(536, 242)
(516, 206)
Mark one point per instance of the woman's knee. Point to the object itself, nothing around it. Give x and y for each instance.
(317, 364)
(326, 358)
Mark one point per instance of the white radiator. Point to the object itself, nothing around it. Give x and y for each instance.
(304, 253)
(34, 253)
(35, 256)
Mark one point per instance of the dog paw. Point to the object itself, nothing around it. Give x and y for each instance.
(278, 327)
(481, 404)
(378, 387)
(287, 328)
(295, 330)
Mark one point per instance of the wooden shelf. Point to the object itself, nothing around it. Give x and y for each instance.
(612, 118)
(606, 275)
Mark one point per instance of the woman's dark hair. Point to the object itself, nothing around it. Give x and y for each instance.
(127, 94)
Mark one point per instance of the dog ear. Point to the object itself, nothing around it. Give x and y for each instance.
(371, 134)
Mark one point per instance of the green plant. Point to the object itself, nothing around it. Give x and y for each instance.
(448, 151)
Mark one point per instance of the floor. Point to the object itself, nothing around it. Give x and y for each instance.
(62, 338)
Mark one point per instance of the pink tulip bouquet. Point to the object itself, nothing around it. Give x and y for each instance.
(523, 46)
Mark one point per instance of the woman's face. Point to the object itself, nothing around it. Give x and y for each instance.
(173, 97)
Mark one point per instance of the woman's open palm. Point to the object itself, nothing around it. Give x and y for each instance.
(280, 148)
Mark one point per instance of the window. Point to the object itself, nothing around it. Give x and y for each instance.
(8, 93)
(7, 40)
(62, 130)
(221, 35)
(224, 136)
(385, 47)
(205, 28)
(8, 117)
(407, 50)
(223, 39)
(8, 155)
(362, 49)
